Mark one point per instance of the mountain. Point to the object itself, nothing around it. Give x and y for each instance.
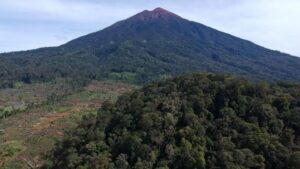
(201, 121)
(149, 46)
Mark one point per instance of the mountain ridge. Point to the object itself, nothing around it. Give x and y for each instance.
(148, 46)
(159, 10)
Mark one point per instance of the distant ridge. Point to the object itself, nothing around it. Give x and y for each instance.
(148, 46)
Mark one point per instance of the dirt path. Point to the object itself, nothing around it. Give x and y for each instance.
(48, 121)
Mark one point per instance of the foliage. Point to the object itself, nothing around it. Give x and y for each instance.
(11, 148)
(6, 112)
(140, 50)
(194, 121)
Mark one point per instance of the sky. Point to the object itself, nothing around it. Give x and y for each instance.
(29, 24)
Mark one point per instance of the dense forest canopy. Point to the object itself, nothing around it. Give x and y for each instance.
(149, 46)
(194, 121)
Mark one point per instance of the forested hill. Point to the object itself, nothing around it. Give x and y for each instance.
(148, 46)
(198, 121)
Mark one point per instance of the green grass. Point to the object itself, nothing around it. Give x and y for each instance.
(19, 85)
(55, 108)
(11, 148)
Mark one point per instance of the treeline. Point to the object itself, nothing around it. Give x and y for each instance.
(197, 121)
(44, 65)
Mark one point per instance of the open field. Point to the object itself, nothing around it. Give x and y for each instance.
(29, 134)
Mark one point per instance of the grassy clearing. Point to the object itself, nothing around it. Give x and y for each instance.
(26, 96)
(33, 93)
(11, 148)
(35, 130)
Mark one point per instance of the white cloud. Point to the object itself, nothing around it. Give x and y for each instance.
(62, 10)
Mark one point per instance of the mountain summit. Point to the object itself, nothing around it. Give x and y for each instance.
(148, 46)
(157, 13)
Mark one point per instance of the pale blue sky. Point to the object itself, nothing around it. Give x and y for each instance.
(28, 24)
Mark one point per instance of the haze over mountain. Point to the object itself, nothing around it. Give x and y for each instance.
(148, 46)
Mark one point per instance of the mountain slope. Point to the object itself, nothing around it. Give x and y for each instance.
(198, 121)
(148, 46)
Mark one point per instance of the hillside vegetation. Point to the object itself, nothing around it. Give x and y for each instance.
(148, 46)
(195, 121)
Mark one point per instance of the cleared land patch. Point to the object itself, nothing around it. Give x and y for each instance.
(34, 131)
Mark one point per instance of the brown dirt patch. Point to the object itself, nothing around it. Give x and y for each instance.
(48, 121)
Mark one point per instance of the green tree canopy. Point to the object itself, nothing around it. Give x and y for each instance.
(196, 121)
